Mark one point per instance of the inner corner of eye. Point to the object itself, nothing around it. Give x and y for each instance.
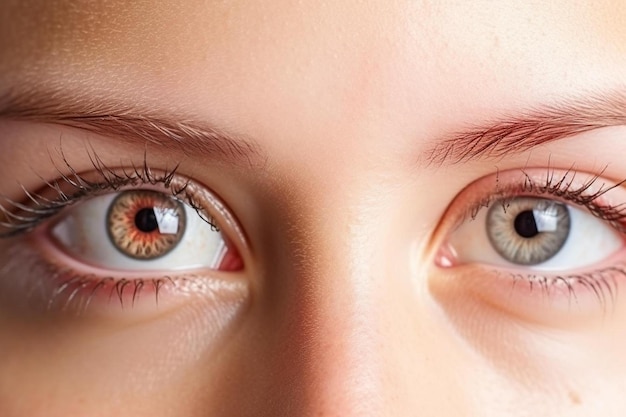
(446, 256)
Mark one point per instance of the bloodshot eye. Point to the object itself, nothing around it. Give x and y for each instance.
(143, 230)
(145, 224)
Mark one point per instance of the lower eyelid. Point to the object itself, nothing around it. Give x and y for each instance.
(566, 300)
(32, 280)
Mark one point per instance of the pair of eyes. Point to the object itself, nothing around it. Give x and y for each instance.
(537, 224)
(151, 230)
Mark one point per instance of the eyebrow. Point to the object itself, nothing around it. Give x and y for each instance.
(510, 134)
(528, 129)
(132, 125)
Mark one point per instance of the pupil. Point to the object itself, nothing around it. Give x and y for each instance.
(525, 225)
(146, 221)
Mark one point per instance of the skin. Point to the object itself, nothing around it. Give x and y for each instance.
(341, 308)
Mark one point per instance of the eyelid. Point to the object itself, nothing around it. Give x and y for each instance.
(51, 287)
(563, 303)
(566, 185)
(221, 209)
(591, 191)
(210, 207)
(587, 242)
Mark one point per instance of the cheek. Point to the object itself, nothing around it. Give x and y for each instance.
(513, 361)
(130, 369)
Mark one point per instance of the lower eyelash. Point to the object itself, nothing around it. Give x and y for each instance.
(62, 289)
(78, 291)
(602, 283)
(53, 288)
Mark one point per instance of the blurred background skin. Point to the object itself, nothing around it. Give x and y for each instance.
(341, 311)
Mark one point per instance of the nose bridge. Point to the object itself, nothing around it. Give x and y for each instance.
(339, 338)
(331, 314)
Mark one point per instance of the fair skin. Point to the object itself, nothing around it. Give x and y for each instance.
(354, 295)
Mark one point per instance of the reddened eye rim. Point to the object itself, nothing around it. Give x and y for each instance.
(194, 195)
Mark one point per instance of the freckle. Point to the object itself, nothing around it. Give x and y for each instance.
(574, 397)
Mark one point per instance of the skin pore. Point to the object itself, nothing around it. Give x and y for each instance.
(347, 140)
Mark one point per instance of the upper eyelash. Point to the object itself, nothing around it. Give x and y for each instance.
(21, 217)
(562, 187)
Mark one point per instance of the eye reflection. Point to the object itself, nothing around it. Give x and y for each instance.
(145, 224)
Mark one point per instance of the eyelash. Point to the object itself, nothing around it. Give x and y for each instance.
(561, 189)
(20, 218)
(38, 208)
(116, 287)
(602, 282)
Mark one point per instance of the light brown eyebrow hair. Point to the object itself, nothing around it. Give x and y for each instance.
(528, 129)
(114, 119)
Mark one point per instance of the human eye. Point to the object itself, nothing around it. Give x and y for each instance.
(543, 245)
(134, 237)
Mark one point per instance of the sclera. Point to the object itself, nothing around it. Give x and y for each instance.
(82, 233)
(590, 241)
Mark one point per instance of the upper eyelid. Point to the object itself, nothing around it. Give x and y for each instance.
(36, 207)
(482, 192)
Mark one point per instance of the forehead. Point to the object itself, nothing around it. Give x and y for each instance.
(350, 66)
